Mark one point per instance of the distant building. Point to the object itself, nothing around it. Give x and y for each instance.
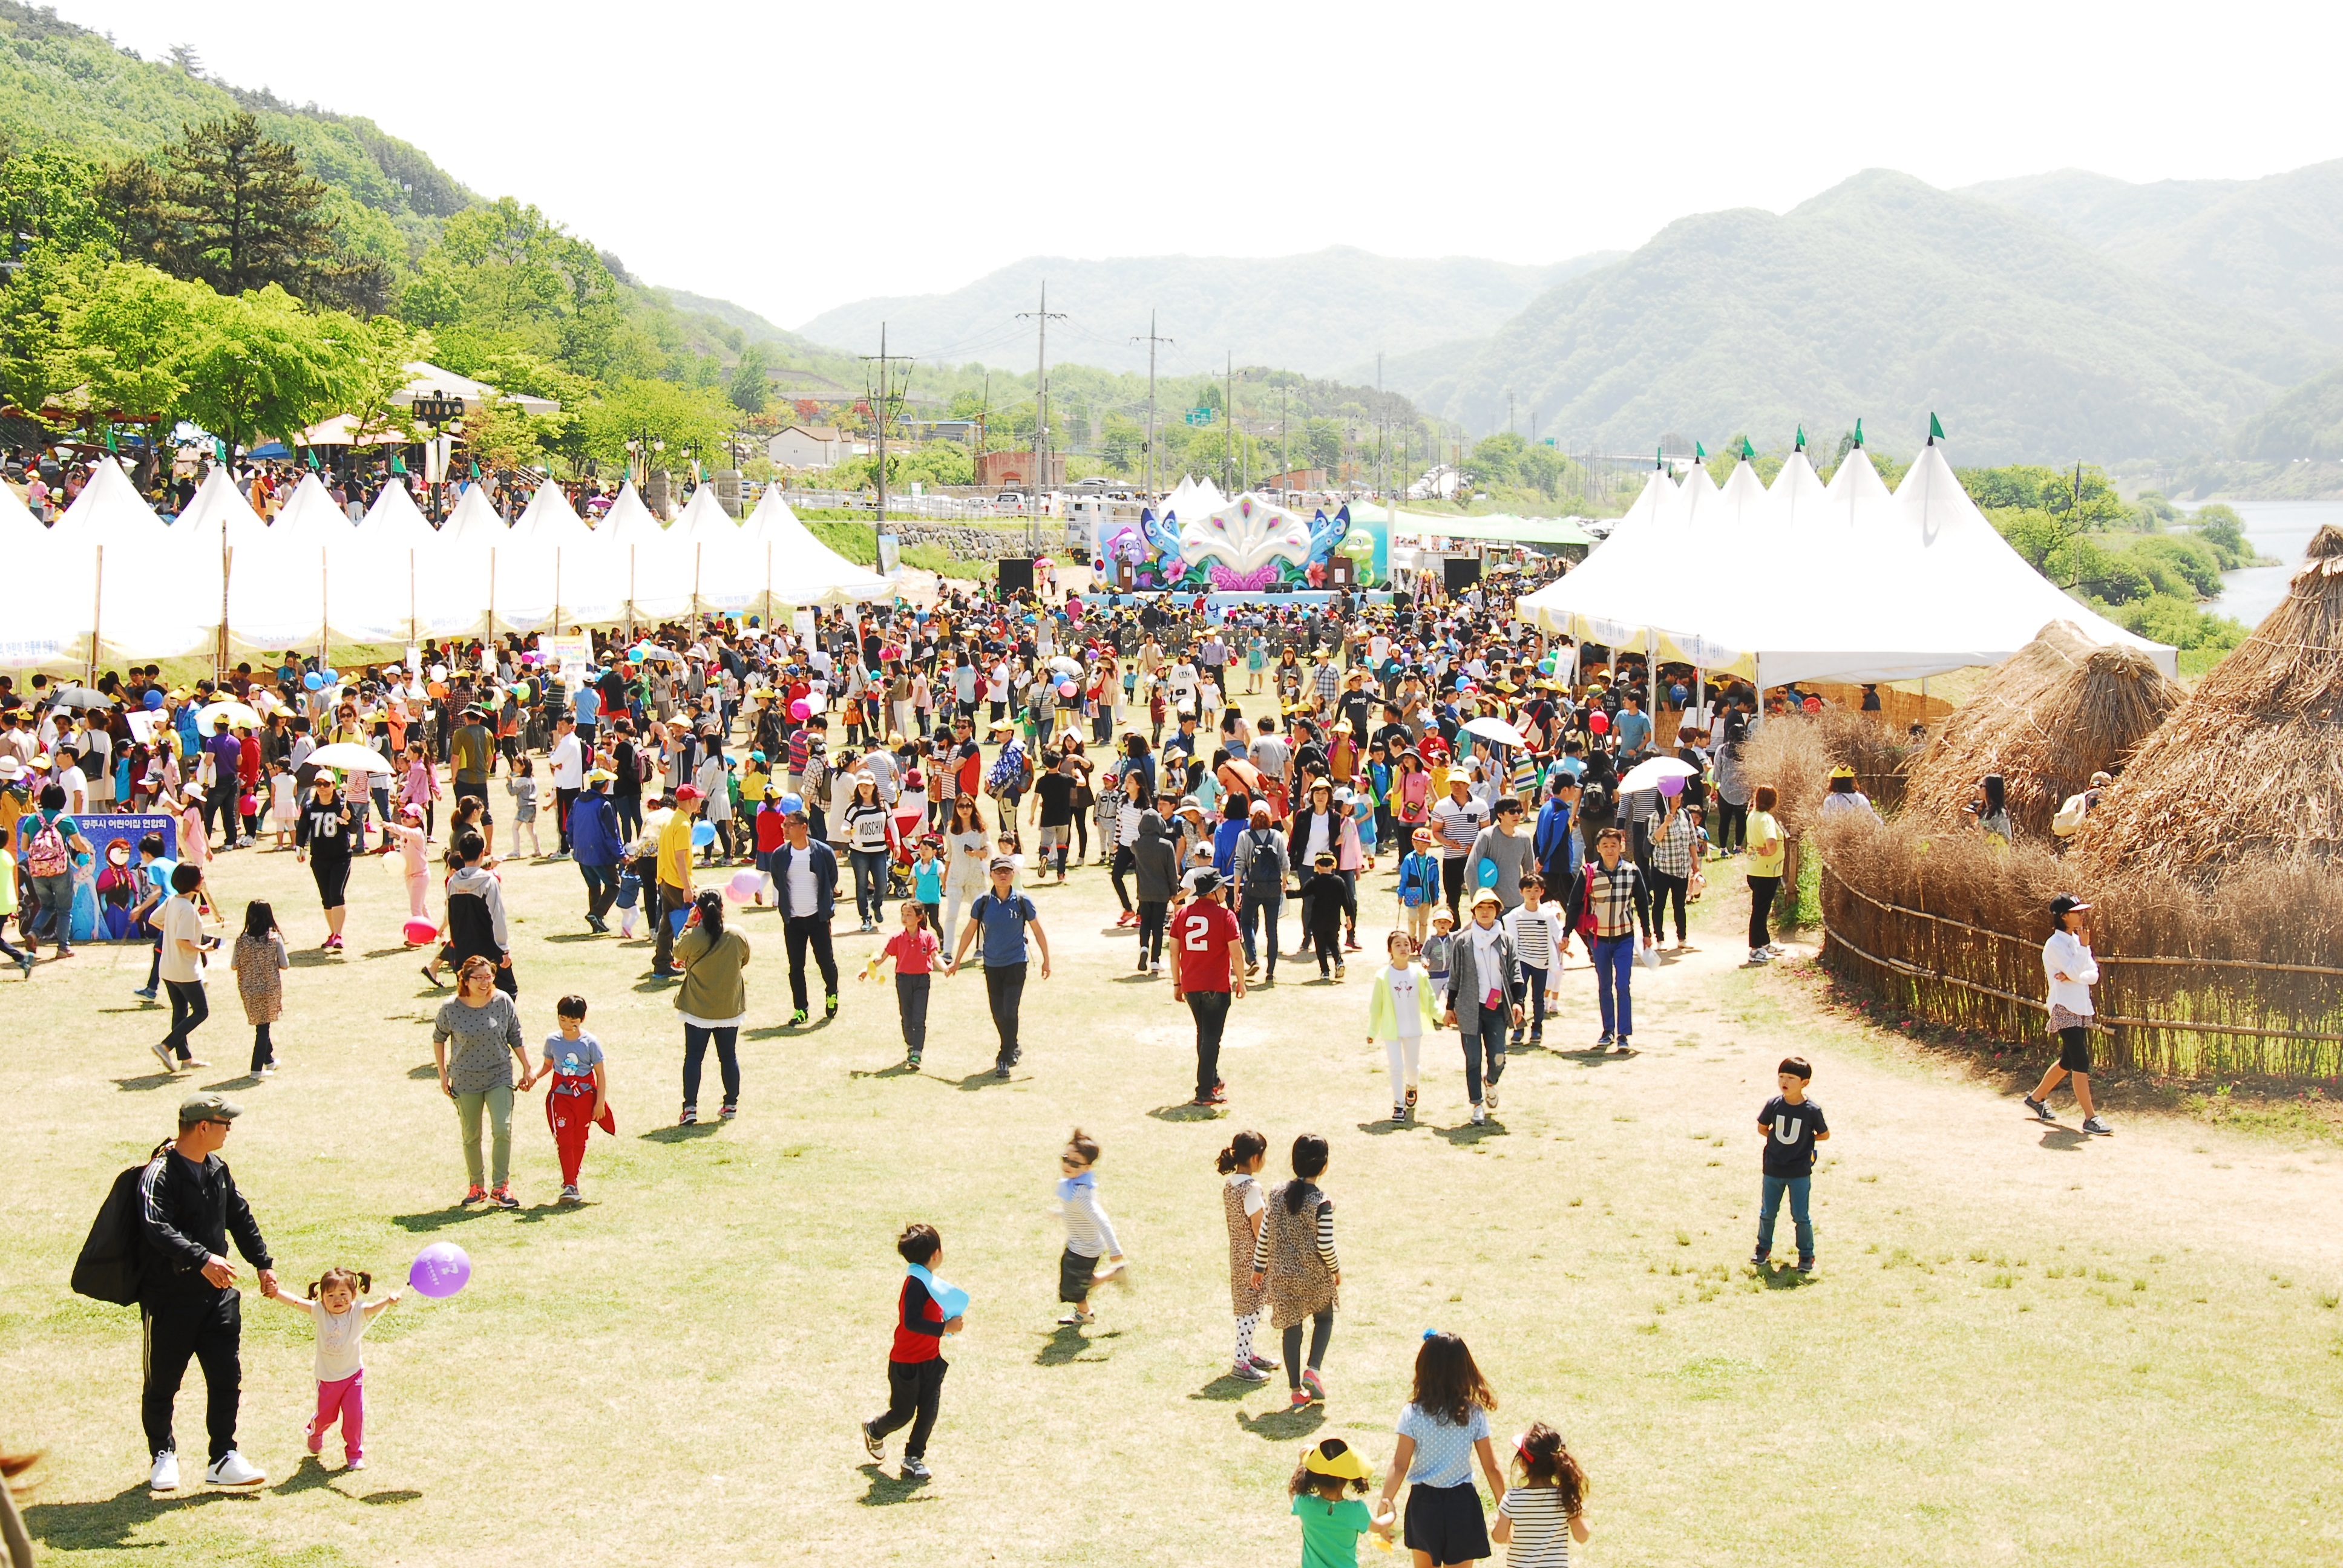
(962, 430)
(807, 447)
(998, 471)
(1296, 479)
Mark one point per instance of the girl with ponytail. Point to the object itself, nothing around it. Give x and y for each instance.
(1243, 1202)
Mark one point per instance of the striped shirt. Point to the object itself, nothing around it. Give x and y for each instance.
(1540, 1529)
(1089, 1232)
(1536, 933)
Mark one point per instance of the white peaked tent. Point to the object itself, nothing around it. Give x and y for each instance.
(1841, 582)
(710, 546)
(43, 628)
(1192, 497)
(397, 546)
(787, 565)
(626, 543)
(109, 587)
(474, 552)
(556, 573)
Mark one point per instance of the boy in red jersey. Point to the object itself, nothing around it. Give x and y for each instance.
(1207, 972)
(916, 1367)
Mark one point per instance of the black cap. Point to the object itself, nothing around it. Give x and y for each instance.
(2065, 904)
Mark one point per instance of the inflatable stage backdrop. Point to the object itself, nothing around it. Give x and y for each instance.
(1244, 545)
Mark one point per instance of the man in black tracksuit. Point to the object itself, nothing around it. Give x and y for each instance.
(188, 1300)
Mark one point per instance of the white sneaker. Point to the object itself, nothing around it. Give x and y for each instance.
(1760, 956)
(233, 1469)
(166, 1477)
(163, 1054)
(1480, 1117)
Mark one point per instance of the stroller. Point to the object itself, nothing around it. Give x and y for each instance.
(909, 827)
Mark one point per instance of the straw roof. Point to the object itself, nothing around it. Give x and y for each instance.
(2050, 715)
(2251, 766)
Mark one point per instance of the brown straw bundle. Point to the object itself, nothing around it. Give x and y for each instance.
(2056, 712)
(2250, 768)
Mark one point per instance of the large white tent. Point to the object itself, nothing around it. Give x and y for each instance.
(1802, 581)
(117, 583)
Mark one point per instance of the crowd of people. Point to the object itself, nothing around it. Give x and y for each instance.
(1516, 792)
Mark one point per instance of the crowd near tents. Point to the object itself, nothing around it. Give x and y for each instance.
(116, 582)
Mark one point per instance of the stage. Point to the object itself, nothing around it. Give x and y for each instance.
(1220, 603)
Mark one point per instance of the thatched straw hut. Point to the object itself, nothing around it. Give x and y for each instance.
(2054, 713)
(2251, 766)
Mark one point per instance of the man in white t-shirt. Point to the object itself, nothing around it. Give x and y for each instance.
(181, 968)
(568, 766)
(1458, 821)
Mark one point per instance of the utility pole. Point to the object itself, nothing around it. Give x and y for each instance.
(1229, 422)
(881, 412)
(1041, 413)
(984, 418)
(1509, 410)
(1285, 428)
(1382, 463)
(1151, 341)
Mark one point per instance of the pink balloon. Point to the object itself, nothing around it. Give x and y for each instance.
(420, 931)
(800, 710)
(1065, 689)
(743, 886)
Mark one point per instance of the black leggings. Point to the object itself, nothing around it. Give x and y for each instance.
(696, 1038)
(1760, 904)
(1082, 837)
(1123, 866)
(1153, 914)
(264, 1054)
(1732, 825)
(1663, 889)
(1321, 1329)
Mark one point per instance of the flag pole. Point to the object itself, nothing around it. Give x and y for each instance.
(97, 612)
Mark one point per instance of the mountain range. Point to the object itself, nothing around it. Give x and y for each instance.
(2060, 314)
(1328, 311)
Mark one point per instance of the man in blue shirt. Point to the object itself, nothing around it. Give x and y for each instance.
(585, 707)
(1002, 913)
(1634, 729)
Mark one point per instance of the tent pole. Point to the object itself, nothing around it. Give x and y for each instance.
(695, 591)
(219, 655)
(322, 660)
(97, 612)
(630, 593)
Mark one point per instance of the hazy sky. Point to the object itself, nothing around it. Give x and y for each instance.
(796, 157)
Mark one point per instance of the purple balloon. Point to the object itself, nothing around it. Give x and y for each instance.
(439, 1270)
(1671, 784)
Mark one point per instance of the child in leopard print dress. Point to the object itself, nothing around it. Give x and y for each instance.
(1243, 1202)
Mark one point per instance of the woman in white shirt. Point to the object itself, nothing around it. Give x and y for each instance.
(2071, 971)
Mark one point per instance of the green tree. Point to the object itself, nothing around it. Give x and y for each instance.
(497, 435)
(381, 349)
(228, 205)
(683, 418)
(128, 336)
(50, 197)
(1321, 443)
(263, 367)
(33, 349)
(1119, 439)
(749, 390)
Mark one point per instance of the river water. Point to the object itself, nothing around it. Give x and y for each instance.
(2277, 528)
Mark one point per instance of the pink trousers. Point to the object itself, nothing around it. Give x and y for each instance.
(346, 1400)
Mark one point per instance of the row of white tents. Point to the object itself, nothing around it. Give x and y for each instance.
(111, 581)
(1806, 581)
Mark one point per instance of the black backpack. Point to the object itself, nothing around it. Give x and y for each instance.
(113, 1262)
(1262, 878)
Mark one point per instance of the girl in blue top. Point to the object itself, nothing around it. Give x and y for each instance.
(1444, 1427)
(1418, 885)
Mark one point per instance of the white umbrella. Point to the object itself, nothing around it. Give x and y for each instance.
(209, 717)
(653, 651)
(349, 757)
(1647, 774)
(1498, 730)
(1065, 665)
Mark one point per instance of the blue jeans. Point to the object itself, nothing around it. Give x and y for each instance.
(601, 888)
(1264, 910)
(1534, 979)
(1615, 971)
(869, 883)
(1771, 1205)
(1481, 1028)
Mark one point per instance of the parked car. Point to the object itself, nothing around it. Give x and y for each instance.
(1010, 502)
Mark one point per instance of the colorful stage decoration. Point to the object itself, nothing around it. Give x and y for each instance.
(1246, 545)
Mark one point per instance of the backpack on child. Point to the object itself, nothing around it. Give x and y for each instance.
(47, 854)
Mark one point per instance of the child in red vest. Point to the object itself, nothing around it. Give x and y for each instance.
(579, 1099)
(925, 1310)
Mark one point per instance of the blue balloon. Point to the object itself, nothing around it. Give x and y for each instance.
(153, 700)
(703, 834)
(793, 806)
(313, 681)
(332, 674)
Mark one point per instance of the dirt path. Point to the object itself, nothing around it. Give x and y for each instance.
(1908, 1118)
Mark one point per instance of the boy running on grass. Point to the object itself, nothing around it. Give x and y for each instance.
(916, 1367)
(1791, 1124)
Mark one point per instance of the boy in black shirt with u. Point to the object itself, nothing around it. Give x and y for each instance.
(915, 1366)
(1791, 1124)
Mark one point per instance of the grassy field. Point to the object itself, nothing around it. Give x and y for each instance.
(2018, 1343)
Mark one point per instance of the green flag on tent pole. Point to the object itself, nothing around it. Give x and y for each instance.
(311, 453)
(220, 448)
(398, 464)
(1936, 431)
(1748, 452)
(109, 440)
(476, 473)
(1802, 438)
(1858, 432)
(1699, 452)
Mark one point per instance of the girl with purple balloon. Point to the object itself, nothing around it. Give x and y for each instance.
(339, 1312)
